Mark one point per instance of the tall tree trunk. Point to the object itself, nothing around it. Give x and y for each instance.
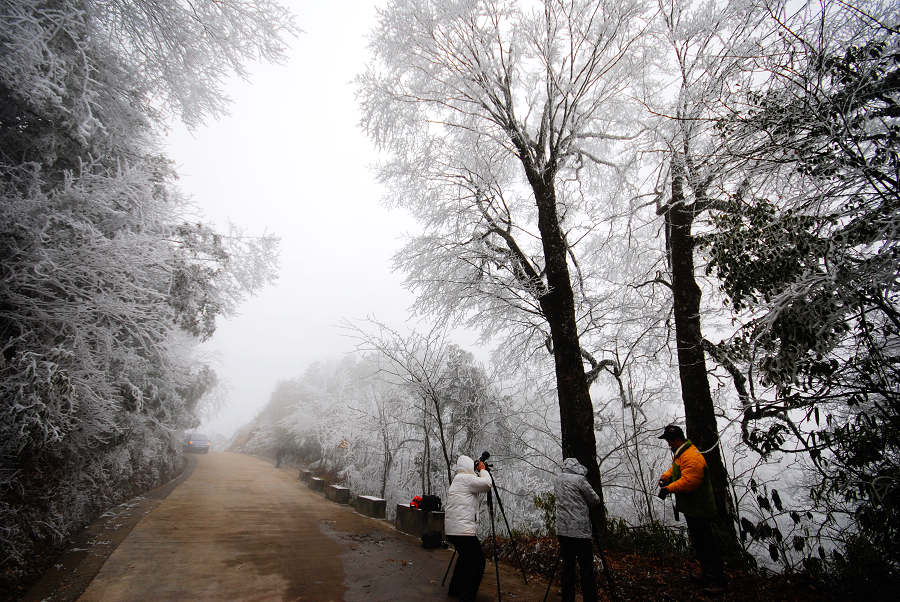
(441, 435)
(388, 456)
(700, 417)
(576, 412)
(388, 460)
(648, 501)
(426, 448)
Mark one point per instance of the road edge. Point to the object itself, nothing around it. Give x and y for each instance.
(74, 569)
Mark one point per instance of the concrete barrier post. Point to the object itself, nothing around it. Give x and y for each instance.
(338, 494)
(418, 522)
(371, 506)
(410, 520)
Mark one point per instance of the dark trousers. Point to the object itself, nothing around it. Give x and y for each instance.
(706, 546)
(469, 567)
(580, 550)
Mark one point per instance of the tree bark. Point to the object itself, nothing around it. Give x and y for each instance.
(441, 435)
(387, 455)
(576, 412)
(426, 453)
(388, 460)
(700, 417)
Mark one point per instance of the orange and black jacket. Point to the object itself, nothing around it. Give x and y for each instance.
(690, 482)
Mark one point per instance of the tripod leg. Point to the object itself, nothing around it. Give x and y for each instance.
(449, 564)
(494, 543)
(509, 531)
(613, 593)
(552, 575)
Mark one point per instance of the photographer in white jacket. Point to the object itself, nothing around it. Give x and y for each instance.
(460, 516)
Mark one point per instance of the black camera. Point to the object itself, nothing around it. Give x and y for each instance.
(484, 458)
(663, 493)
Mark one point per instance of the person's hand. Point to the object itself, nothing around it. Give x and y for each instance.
(663, 482)
(479, 466)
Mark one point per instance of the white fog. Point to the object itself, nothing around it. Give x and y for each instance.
(290, 160)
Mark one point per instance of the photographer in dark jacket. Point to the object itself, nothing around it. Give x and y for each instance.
(574, 498)
(688, 479)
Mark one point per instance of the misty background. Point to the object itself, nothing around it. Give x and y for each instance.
(290, 160)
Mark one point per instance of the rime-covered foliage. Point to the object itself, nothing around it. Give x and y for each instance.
(378, 424)
(104, 285)
(506, 126)
(810, 245)
(732, 164)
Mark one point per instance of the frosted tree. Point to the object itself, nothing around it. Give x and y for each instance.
(386, 412)
(502, 122)
(709, 50)
(102, 284)
(809, 250)
(417, 363)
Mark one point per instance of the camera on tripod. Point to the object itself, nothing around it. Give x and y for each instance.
(484, 458)
(493, 495)
(663, 493)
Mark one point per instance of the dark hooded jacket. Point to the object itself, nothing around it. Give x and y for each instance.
(574, 497)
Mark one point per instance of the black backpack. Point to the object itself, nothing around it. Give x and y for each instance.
(430, 503)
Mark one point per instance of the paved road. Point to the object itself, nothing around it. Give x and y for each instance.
(239, 529)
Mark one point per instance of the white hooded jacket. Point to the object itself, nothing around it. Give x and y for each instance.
(462, 498)
(574, 497)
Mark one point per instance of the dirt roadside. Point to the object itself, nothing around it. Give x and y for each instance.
(236, 528)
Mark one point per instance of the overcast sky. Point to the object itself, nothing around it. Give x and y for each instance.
(290, 160)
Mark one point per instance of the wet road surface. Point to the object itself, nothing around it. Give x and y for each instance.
(236, 528)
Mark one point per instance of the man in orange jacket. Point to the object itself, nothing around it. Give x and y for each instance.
(688, 479)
